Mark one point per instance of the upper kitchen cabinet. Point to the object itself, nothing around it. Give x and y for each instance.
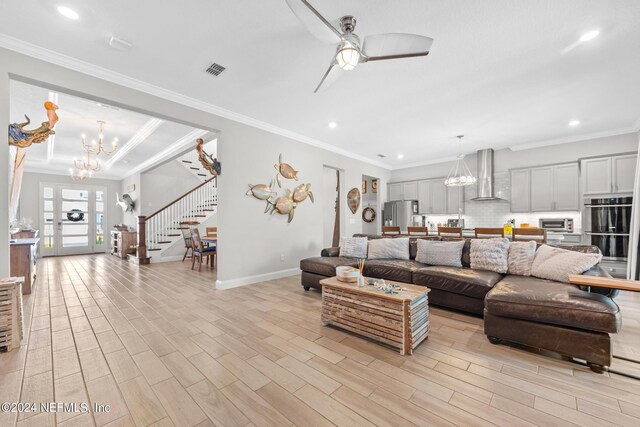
(545, 189)
(410, 191)
(608, 175)
(455, 199)
(596, 175)
(521, 190)
(395, 192)
(432, 197)
(566, 187)
(624, 171)
(542, 183)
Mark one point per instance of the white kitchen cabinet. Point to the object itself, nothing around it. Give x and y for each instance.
(521, 190)
(623, 170)
(424, 197)
(432, 197)
(596, 176)
(542, 197)
(566, 187)
(455, 199)
(438, 197)
(410, 191)
(395, 192)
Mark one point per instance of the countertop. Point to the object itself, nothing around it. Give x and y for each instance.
(29, 242)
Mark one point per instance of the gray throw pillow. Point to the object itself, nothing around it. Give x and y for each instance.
(440, 253)
(490, 255)
(521, 255)
(556, 264)
(394, 248)
(353, 247)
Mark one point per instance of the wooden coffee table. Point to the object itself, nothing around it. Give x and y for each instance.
(398, 320)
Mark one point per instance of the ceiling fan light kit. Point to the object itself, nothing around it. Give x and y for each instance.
(350, 52)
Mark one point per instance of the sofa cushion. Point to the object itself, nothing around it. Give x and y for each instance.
(400, 270)
(326, 266)
(413, 244)
(521, 256)
(355, 247)
(490, 254)
(459, 280)
(555, 303)
(440, 253)
(556, 263)
(391, 248)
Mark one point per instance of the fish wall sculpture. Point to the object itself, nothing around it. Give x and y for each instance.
(285, 170)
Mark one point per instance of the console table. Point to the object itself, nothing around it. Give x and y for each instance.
(23, 261)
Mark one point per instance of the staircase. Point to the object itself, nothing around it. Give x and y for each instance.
(160, 230)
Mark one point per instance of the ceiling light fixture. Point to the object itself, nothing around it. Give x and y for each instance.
(332, 125)
(460, 174)
(589, 36)
(68, 12)
(574, 123)
(85, 169)
(348, 55)
(400, 156)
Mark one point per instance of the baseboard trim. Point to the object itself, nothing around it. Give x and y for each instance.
(158, 259)
(249, 280)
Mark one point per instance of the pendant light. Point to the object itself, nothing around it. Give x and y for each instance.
(460, 174)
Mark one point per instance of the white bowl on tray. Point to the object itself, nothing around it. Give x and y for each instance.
(347, 274)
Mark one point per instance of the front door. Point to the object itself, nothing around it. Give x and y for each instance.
(73, 218)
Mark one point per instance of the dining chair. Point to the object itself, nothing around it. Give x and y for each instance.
(390, 230)
(420, 231)
(489, 233)
(450, 231)
(528, 234)
(186, 236)
(200, 251)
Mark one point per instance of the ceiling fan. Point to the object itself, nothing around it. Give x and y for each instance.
(350, 52)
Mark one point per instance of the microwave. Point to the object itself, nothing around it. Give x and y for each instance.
(557, 224)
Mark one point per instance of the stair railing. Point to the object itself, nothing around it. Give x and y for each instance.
(157, 228)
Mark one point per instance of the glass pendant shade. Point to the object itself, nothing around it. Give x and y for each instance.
(460, 175)
(348, 56)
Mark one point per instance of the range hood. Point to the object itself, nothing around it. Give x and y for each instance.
(485, 176)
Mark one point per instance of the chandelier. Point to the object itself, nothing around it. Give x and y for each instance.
(460, 174)
(84, 169)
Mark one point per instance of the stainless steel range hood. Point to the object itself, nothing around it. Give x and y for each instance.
(485, 176)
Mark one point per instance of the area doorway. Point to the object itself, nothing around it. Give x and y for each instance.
(72, 219)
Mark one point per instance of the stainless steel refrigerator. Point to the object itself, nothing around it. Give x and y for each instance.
(400, 213)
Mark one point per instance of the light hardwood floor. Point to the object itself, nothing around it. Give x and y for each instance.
(162, 347)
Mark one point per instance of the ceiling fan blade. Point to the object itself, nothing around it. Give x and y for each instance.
(378, 47)
(332, 74)
(315, 23)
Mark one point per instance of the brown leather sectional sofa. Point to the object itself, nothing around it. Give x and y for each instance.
(540, 313)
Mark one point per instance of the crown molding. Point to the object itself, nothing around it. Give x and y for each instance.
(574, 138)
(140, 136)
(38, 52)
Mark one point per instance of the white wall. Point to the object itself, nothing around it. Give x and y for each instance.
(163, 184)
(30, 198)
(250, 242)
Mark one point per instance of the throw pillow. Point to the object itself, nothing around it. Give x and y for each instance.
(521, 255)
(440, 253)
(395, 248)
(353, 247)
(556, 264)
(490, 255)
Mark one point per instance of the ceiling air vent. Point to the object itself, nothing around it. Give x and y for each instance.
(215, 69)
(382, 156)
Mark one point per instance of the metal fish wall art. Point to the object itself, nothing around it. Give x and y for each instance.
(285, 170)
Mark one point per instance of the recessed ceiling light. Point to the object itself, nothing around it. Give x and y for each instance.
(68, 13)
(574, 123)
(589, 36)
(332, 125)
(400, 156)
